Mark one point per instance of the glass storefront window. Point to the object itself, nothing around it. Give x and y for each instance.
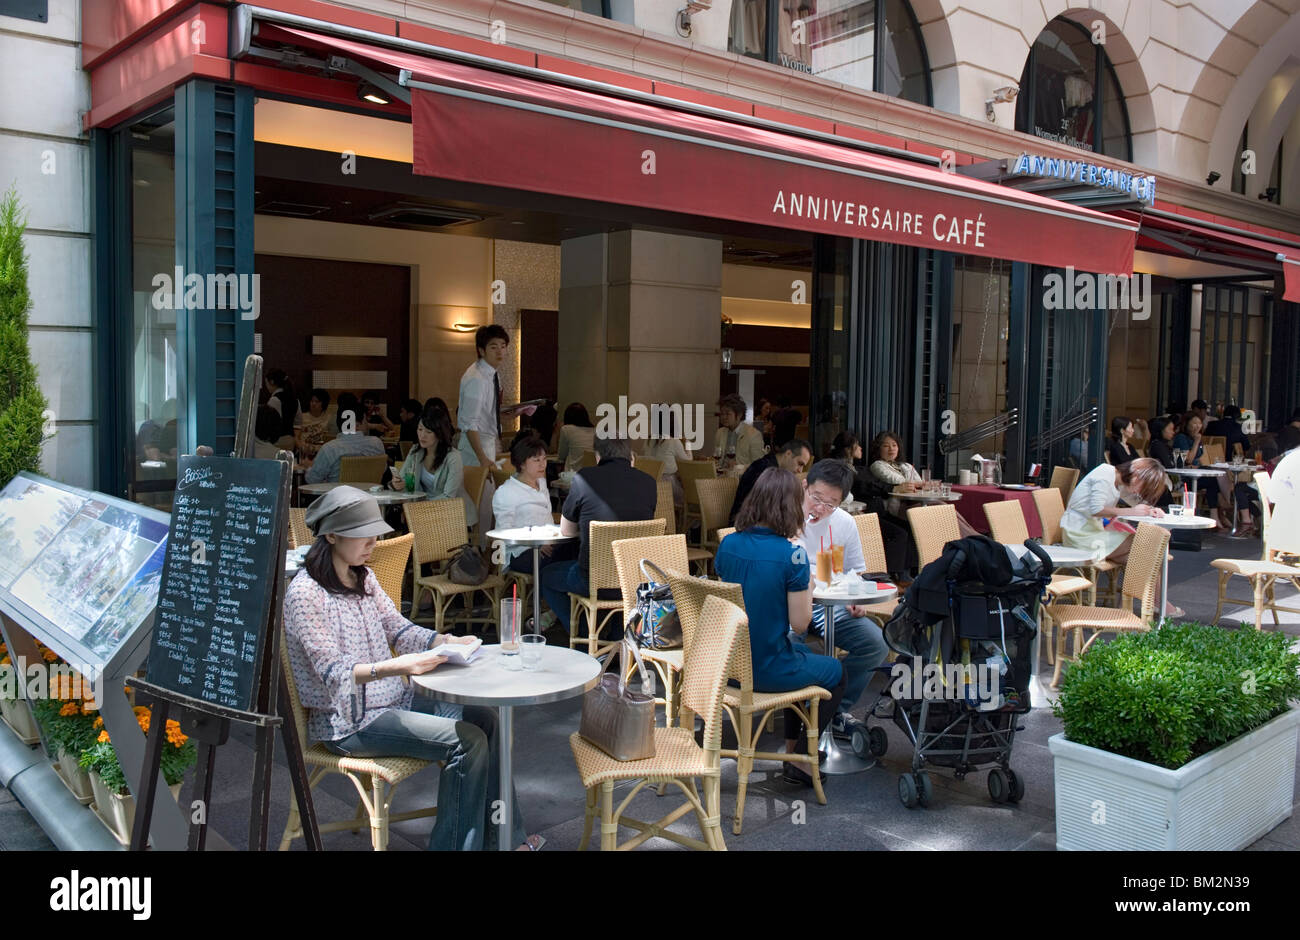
(862, 43)
(594, 7)
(981, 293)
(153, 354)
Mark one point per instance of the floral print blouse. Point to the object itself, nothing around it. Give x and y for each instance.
(327, 635)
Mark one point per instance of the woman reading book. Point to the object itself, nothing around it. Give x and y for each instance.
(342, 632)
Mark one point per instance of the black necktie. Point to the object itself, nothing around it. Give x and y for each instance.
(496, 401)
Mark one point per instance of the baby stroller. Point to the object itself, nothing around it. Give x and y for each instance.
(965, 638)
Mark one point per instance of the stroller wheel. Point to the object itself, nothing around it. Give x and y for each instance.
(907, 791)
(1017, 791)
(860, 743)
(998, 785)
(924, 790)
(877, 741)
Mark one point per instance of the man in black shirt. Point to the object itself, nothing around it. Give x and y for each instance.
(1289, 437)
(611, 491)
(794, 455)
(1230, 430)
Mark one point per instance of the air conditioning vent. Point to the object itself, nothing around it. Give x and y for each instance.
(297, 210)
(415, 215)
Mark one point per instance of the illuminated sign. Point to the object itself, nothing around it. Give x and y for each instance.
(1141, 188)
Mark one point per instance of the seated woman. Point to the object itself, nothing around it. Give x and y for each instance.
(433, 464)
(1118, 448)
(669, 449)
(267, 432)
(523, 500)
(1161, 448)
(1096, 501)
(577, 436)
(776, 579)
(1189, 439)
(341, 632)
(868, 489)
(316, 424)
(888, 466)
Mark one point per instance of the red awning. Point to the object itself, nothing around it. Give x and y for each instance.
(1166, 235)
(498, 129)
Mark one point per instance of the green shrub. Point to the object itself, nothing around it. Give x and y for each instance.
(1168, 696)
(22, 406)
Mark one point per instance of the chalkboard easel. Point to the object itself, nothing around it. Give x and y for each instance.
(215, 655)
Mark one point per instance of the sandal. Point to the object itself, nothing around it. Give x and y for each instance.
(533, 843)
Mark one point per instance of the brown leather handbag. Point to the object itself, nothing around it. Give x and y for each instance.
(616, 719)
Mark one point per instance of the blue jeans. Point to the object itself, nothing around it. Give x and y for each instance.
(558, 580)
(862, 639)
(469, 784)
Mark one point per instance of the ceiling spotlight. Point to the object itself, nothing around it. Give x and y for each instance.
(1212, 178)
(1002, 95)
(368, 92)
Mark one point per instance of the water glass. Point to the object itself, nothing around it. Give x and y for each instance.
(530, 649)
(945, 489)
(508, 631)
(925, 479)
(1189, 503)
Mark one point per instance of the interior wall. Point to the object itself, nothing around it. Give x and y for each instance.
(525, 276)
(1132, 357)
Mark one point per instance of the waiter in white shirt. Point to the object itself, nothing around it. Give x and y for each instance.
(479, 411)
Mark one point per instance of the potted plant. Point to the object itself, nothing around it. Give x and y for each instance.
(69, 724)
(1180, 738)
(13, 710)
(22, 406)
(115, 805)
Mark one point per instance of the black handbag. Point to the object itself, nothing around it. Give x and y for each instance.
(467, 567)
(655, 624)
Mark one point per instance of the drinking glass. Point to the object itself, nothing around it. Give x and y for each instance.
(837, 559)
(1189, 503)
(945, 489)
(824, 567)
(530, 649)
(508, 631)
(925, 479)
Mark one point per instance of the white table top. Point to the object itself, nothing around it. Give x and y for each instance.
(1060, 554)
(531, 535)
(562, 674)
(1173, 522)
(382, 494)
(932, 497)
(1193, 471)
(864, 595)
(1238, 468)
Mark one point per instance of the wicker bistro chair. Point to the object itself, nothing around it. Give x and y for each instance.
(388, 562)
(678, 759)
(588, 459)
(933, 527)
(690, 472)
(376, 778)
(1050, 510)
(500, 475)
(603, 576)
(716, 497)
(669, 553)
(873, 553)
(1064, 479)
(439, 529)
(367, 470)
(693, 596)
(650, 465)
(473, 481)
(1141, 584)
(299, 534)
(405, 447)
(1263, 575)
(724, 532)
(666, 510)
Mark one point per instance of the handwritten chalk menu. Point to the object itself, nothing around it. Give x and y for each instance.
(217, 578)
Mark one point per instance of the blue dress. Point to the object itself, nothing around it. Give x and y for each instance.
(768, 567)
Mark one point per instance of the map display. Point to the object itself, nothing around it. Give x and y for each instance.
(31, 514)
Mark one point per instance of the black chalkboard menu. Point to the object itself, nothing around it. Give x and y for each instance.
(218, 578)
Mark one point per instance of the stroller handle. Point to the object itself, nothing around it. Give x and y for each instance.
(1041, 554)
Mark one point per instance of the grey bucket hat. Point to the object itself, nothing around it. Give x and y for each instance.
(348, 511)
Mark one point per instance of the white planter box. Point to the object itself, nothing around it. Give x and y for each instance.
(1224, 800)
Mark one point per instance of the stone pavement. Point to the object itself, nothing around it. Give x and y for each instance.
(863, 810)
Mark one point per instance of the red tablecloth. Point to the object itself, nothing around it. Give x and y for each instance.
(973, 498)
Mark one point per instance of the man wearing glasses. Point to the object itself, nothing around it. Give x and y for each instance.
(826, 524)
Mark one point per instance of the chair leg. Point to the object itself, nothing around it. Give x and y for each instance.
(378, 815)
(744, 764)
(713, 811)
(1049, 631)
(586, 823)
(814, 770)
(1223, 593)
(608, 828)
(293, 828)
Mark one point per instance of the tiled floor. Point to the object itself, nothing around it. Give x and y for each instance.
(863, 810)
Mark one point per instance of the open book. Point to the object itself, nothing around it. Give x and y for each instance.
(460, 652)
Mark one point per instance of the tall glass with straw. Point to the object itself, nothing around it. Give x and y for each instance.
(508, 630)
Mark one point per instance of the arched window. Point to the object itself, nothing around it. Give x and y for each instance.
(1069, 93)
(871, 44)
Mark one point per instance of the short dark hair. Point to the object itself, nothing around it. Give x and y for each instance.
(347, 403)
(733, 403)
(842, 446)
(576, 415)
(612, 448)
(321, 396)
(833, 473)
(1118, 424)
(794, 445)
(878, 442)
(319, 564)
(1232, 412)
(1158, 426)
(1201, 404)
(412, 406)
(485, 334)
(526, 446)
(775, 502)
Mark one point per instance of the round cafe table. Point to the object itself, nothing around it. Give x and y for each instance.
(383, 495)
(934, 496)
(839, 763)
(534, 537)
(1173, 523)
(562, 674)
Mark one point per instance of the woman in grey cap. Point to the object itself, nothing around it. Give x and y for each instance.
(339, 627)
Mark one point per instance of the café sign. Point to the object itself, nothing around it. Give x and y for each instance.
(1141, 188)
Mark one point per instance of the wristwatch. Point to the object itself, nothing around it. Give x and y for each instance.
(374, 670)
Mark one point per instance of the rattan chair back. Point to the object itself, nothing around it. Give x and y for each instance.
(1007, 522)
(500, 475)
(716, 497)
(588, 459)
(367, 470)
(933, 527)
(295, 701)
(872, 541)
(649, 465)
(691, 471)
(666, 551)
(438, 526)
(603, 573)
(1050, 508)
(1143, 567)
(665, 508)
(299, 534)
(1064, 479)
(404, 447)
(720, 631)
(388, 562)
(1213, 453)
(473, 480)
(724, 532)
(690, 594)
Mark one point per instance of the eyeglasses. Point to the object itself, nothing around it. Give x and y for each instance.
(821, 502)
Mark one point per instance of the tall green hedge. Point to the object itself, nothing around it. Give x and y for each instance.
(22, 406)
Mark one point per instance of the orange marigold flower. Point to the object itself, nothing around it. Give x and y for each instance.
(70, 708)
(103, 737)
(50, 656)
(4, 660)
(99, 722)
(175, 736)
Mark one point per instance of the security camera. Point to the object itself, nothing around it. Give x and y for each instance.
(1000, 96)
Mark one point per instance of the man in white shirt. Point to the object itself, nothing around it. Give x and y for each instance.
(356, 442)
(734, 436)
(828, 482)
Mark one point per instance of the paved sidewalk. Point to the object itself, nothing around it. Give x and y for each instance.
(863, 810)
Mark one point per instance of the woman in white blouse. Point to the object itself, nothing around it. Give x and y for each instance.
(669, 449)
(523, 501)
(888, 466)
(577, 436)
